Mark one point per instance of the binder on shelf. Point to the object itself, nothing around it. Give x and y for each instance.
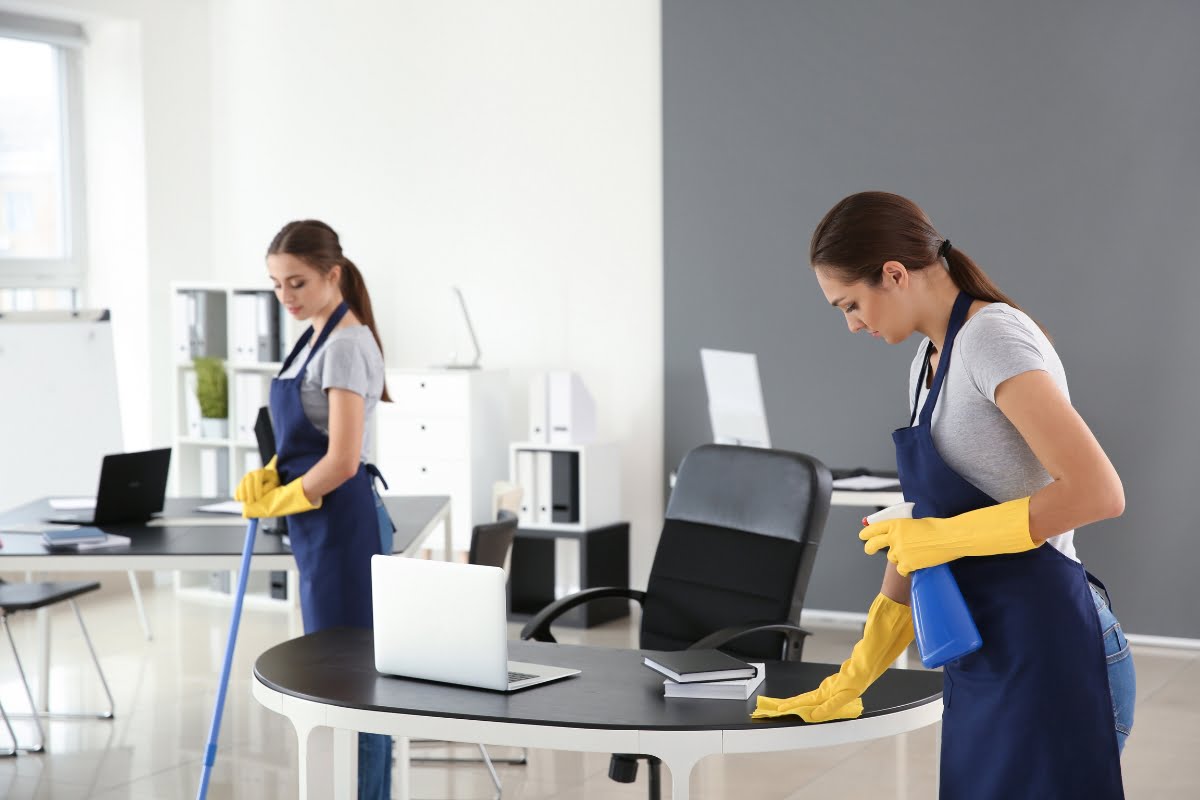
(267, 334)
(245, 308)
(191, 405)
(564, 487)
(214, 473)
(185, 320)
(539, 425)
(525, 479)
(207, 324)
(543, 479)
(571, 410)
(251, 392)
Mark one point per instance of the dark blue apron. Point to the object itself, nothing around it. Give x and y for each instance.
(1029, 714)
(333, 544)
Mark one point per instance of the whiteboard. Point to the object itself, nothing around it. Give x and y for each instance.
(59, 414)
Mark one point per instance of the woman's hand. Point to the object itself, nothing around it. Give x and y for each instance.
(919, 543)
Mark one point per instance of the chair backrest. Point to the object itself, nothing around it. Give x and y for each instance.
(492, 541)
(737, 546)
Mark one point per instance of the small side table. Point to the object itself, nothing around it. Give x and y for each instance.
(603, 561)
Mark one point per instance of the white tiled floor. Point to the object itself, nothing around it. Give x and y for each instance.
(165, 690)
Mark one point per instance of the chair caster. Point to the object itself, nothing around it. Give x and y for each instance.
(622, 768)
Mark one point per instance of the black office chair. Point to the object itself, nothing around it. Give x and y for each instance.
(491, 544)
(732, 565)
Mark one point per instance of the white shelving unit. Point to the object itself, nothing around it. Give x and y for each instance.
(599, 482)
(232, 323)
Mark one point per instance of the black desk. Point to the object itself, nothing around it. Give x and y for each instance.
(184, 538)
(615, 705)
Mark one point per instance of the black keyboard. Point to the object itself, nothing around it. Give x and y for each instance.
(513, 677)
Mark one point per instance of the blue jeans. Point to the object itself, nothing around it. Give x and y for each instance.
(374, 766)
(1122, 682)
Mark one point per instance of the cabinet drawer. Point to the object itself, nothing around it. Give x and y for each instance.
(409, 476)
(417, 438)
(428, 395)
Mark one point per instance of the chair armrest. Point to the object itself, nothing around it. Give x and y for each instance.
(538, 628)
(794, 636)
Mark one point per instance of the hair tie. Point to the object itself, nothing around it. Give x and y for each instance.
(944, 250)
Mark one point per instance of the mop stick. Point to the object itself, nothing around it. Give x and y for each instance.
(210, 752)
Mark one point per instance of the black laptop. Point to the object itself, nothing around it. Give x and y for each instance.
(132, 488)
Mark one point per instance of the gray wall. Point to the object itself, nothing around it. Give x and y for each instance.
(1056, 143)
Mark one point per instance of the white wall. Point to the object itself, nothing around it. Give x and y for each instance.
(512, 149)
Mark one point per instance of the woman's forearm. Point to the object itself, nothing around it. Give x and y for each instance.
(326, 475)
(896, 587)
(1062, 505)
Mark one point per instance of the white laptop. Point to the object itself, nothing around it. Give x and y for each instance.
(445, 621)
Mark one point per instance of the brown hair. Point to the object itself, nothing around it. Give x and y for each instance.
(317, 245)
(865, 230)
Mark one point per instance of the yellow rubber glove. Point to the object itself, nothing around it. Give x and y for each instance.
(280, 502)
(919, 543)
(887, 633)
(257, 482)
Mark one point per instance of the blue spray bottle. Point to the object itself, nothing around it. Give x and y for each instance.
(942, 622)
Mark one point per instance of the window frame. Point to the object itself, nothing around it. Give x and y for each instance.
(68, 271)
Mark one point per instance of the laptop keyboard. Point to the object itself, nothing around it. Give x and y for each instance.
(513, 677)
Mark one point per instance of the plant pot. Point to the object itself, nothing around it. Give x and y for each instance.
(214, 428)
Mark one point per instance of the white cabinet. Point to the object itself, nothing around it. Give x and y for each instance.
(445, 432)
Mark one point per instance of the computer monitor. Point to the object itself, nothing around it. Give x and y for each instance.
(735, 402)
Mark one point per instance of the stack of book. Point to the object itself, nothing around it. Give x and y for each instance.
(708, 674)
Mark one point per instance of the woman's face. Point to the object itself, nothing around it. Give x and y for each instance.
(878, 310)
(302, 290)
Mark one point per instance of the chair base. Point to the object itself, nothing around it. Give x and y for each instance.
(623, 768)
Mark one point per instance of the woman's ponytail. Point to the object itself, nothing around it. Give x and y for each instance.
(354, 292)
(968, 277)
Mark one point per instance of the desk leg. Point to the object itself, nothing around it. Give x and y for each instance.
(141, 608)
(680, 751)
(401, 790)
(345, 764)
(303, 730)
(449, 537)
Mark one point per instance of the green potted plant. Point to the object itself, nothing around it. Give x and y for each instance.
(212, 390)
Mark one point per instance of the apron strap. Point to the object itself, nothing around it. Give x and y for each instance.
(376, 475)
(920, 382)
(334, 319)
(1094, 581)
(303, 340)
(958, 315)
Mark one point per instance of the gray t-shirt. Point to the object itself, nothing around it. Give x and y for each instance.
(349, 359)
(971, 433)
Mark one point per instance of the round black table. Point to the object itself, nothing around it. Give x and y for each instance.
(615, 705)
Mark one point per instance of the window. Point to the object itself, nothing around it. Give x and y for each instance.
(41, 192)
